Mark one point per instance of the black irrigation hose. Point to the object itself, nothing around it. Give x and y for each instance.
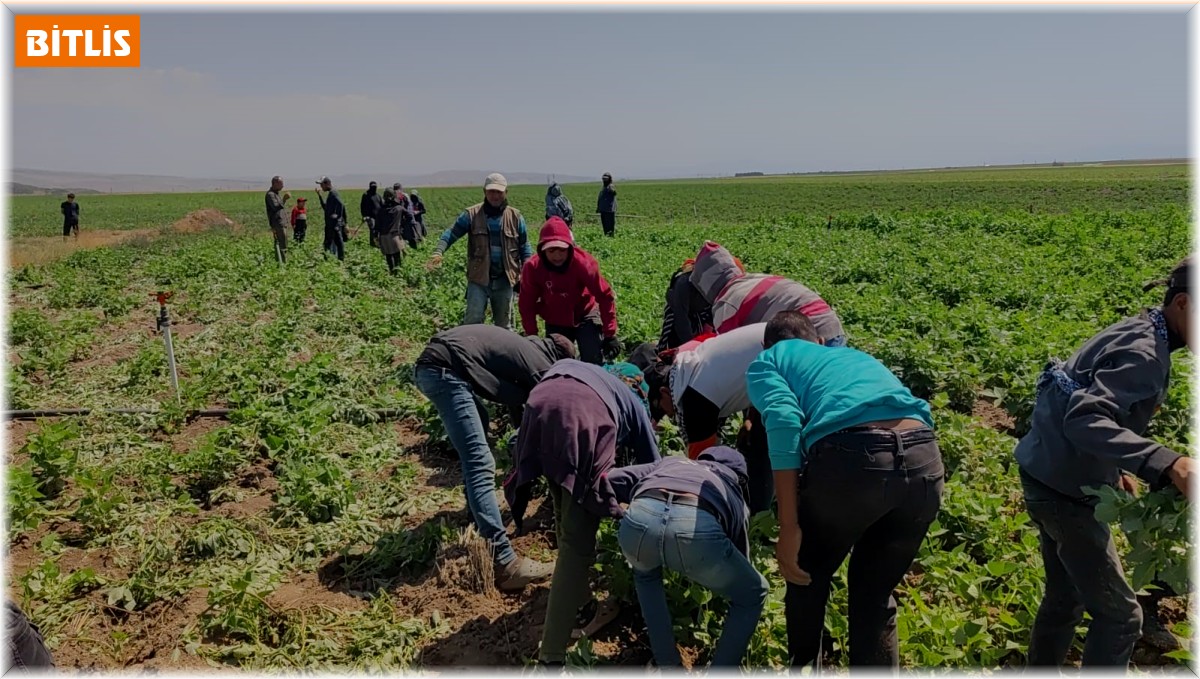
(191, 414)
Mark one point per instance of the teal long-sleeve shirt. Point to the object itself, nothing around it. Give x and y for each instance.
(807, 391)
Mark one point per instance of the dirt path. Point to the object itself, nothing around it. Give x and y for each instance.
(44, 249)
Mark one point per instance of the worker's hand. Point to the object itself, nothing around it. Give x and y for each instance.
(433, 263)
(787, 553)
(1129, 484)
(611, 347)
(1180, 474)
(286, 195)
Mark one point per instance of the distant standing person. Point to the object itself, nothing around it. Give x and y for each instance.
(558, 205)
(70, 212)
(335, 218)
(369, 208)
(606, 205)
(410, 232)
(300, 220)
(276, 204)
(391, 221)
(497, 248)
(418, 210)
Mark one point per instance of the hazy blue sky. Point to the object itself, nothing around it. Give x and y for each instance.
(636, 94)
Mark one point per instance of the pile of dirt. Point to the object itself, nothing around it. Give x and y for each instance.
(203, 220)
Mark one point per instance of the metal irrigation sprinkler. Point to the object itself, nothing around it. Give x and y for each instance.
(164, 326)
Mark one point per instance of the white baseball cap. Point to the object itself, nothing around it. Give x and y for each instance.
(495, 182)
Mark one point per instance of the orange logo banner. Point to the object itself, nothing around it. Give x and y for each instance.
(77, 40)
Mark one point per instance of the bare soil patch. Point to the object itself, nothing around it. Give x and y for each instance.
(43, 249)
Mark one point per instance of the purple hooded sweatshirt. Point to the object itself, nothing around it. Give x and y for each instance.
(575, 419)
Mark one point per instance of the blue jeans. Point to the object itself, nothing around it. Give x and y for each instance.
(688, 540)
(499, 293)
(839, 341)
(464, 417)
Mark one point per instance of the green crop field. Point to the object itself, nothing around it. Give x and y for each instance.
(306, 532)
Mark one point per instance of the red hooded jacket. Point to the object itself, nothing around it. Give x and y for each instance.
(564, 297)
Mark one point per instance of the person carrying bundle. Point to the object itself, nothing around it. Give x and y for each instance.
(1088, 430)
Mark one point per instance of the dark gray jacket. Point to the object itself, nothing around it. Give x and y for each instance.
(1087, 437)
(335, 210)
(275, 204)
(607, 200)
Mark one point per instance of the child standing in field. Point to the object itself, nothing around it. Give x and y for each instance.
(70, 212)
(299, 220)
(1088, 430)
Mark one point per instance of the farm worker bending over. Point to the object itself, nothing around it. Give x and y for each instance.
(575, 420)
(70, 213)
(276, 205)
(369, 208)
(497, 247)
(391, 221)
(739, 298)
(558, 205)
(606, 205)
(687, 314)
(335, 219)
(691, 517)
(856, 466)
(460, 367)
(563, 285)
(702, 387)
(1087, 429)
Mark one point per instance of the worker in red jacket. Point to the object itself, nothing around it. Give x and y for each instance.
(562, 284)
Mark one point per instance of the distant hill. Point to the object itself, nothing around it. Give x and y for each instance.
(28, 181)
(456, 178)
(16, 189)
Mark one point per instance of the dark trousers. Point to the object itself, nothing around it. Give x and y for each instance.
(752, 445)
(609, 221)
(26, 648)
(69, 226)
(300, 231)
(1083, 572)
(393, 261)
(586, 335)
(875, 491)
(333, 241)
